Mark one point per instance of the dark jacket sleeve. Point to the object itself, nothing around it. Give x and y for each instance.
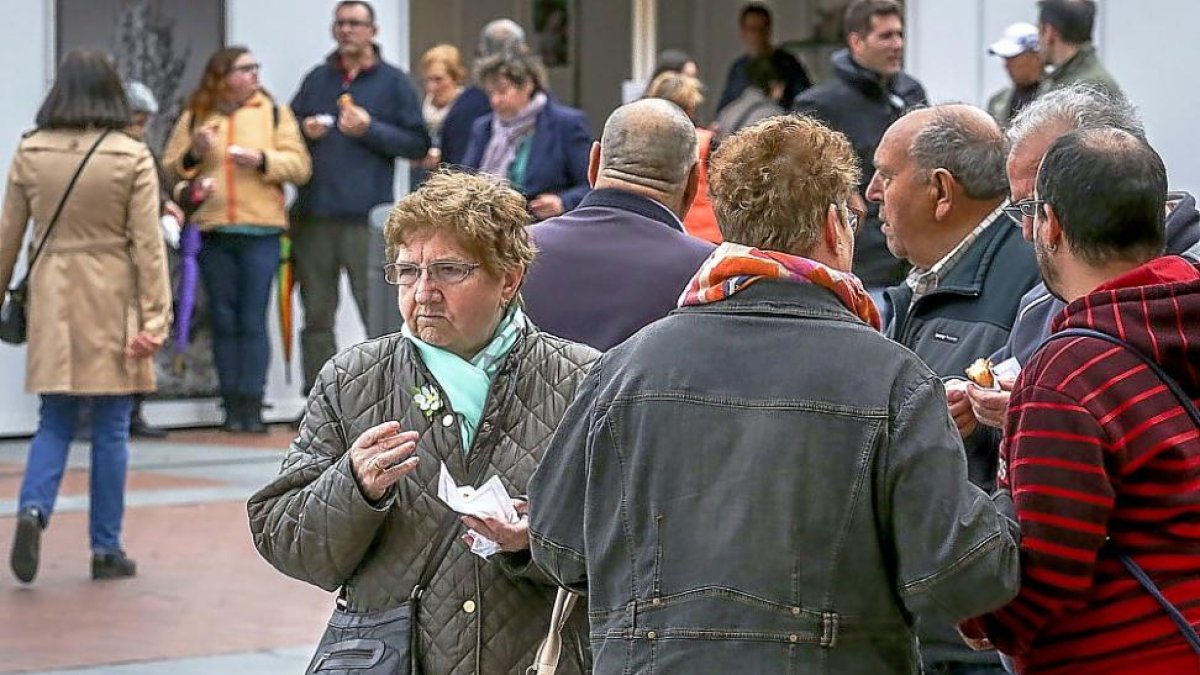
(402, 132)
(577, 146)
(735, 82)
(956, 554)
(302, 103)
(558, 489)
(312, 522)
(478, 142)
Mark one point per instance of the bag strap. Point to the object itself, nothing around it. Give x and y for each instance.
(1172, 385)
(550, 651)
(1181, 622)
(37, 252)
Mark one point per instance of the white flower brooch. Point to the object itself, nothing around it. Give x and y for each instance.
(428, 400)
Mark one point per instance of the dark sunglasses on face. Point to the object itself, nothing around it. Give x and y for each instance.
(350, 23)
(444, 272)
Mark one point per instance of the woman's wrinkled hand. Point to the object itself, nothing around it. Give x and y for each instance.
(378, 458)
(512, 537)
(143, 345)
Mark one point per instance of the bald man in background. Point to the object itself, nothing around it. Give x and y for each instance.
(620, 259)
(941, 186)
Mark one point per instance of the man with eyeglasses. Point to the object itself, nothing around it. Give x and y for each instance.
(1100, 454)
(358, 114)
(1030, 134)
(940, 185)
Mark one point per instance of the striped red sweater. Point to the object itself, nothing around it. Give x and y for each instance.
(1097, 446)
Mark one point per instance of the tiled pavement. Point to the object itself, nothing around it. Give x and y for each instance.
(203, 600)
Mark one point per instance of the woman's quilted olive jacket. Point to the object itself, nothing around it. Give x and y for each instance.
(313, 523)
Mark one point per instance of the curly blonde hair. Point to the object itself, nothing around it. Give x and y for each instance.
(486, 217)
(772, 183)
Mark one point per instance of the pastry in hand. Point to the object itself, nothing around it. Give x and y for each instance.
(345, 100)
(980, 373)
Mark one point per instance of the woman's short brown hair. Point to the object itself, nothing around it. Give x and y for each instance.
(448, 57)
(682, 90)
(772, 183)
(516, 67)
(486, 217)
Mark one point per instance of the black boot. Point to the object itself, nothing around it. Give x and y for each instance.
(114, 565)
(27, 545)
(251, 409)
(233, 414)
(141, 429)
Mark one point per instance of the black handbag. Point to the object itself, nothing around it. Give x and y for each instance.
(1181, 622)
(14, 324)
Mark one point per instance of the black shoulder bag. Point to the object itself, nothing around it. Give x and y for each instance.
(1185, 627)
(14, 325)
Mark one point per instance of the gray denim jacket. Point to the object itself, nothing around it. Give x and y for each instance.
(765, 485)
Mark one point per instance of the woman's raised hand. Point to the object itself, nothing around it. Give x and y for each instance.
(378, 458)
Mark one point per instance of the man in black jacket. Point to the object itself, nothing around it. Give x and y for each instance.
(754, 25)
(940, 182)
(866, 94)
(620, 259)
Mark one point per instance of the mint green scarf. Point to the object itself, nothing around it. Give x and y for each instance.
(466, 383)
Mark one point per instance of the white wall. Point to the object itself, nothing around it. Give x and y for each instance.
(288, 44)
(1143, 44)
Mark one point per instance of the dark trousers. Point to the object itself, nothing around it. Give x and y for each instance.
(322, 248)
(238, 270)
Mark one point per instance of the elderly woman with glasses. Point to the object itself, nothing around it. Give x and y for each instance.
(469, 387)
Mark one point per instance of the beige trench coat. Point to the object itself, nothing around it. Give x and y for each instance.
(103, 275)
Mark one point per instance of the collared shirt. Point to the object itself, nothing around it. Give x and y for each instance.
(923, 282)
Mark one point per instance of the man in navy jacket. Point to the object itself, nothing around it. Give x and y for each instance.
(620, 260)
(358, 115)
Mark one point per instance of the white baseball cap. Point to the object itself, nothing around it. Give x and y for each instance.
(1018, 39)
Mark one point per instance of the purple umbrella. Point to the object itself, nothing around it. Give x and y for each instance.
(189, 249)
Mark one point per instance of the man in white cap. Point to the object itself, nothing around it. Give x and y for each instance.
(1019, 49)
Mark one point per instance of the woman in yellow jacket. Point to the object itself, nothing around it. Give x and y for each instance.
(233, 132)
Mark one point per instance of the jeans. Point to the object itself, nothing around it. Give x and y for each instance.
(323, 248)
(238, 270)
(110, 456)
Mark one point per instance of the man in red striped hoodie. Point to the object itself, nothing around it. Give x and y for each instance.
(1100, 456)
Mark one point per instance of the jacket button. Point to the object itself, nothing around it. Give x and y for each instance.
(469, 607)
(793, 638)
(656, 602)
(447, 420)
(651, 635)
(796, 611)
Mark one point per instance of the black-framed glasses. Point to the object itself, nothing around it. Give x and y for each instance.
(1017, 212)
(445, 272)
(248, 68)
(350, 23)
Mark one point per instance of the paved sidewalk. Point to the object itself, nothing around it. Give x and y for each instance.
(203, 600)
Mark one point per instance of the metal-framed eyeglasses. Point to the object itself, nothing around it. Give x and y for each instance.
(442, 272)
(854, 217)
(1017, 212)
